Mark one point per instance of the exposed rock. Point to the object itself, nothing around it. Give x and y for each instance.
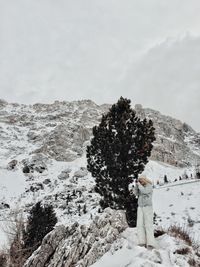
(62, 130)
(34, 136)
(81, 173)
(4, 205)
(58, 143)
(12, 164)
(63, 175)
(35, 187)
(81, 135)
(79, 245)
(175, 141)
(3, 103)
(73, 180)
(47, 181)
(67, 170)
(38, 162)
(27, 169)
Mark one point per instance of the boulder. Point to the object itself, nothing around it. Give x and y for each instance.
(79, 245)
(64, 174)
(47, 181)
(81, 172)
(38, 163)
(12, 164)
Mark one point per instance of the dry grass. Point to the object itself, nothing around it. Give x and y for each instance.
(13, 228)
(192, 262)
(3, 259)
(181, 233)
(159, 232)
(193, 251)
(183, 251)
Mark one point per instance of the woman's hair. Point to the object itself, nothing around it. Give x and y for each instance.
(144, 179)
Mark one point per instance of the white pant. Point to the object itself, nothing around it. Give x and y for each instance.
(145, 226)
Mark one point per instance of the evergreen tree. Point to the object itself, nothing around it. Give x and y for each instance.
(119, 150)
(41, 221)
(165, 179)
(84, 209)
(79, 210)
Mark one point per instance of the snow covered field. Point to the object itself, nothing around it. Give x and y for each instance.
(178, 204)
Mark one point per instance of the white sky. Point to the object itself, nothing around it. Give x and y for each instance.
(146, 50)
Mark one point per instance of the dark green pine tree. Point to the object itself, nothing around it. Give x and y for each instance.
(118, 152)
(165, 179)
(41, 221)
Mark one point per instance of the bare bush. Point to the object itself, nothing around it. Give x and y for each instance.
(192, 262)
(158, 232)
(3, 259)
(14, 227)
(183, 251)
(181, 233)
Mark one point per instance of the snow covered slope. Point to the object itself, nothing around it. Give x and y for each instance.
(126, 253)
(66, 185)
(174, 205)
(50, 141)
(60, 130)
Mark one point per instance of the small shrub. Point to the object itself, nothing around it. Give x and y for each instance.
(198, 253)
(165, 179)
(14, 228)
(3, 259)
(183, 251)
(17, 253)
(159, 232)
(192, 262)
(181, 233)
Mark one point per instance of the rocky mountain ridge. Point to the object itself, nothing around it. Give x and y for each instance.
(61, 130)
(42, 152)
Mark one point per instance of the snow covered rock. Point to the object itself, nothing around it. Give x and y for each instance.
(61, 130)
(12, 164)
(3, 102)
(170, 252)
(64, 175)
(37, 162)
(58, 144)
(176, 143)
(47, 181)
(79, 245)
(81, 173)
(4, 206)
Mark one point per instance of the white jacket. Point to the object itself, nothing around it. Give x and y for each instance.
(144, 194)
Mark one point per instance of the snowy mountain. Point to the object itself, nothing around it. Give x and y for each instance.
(108, 242)
(42, 157)
(60, 131)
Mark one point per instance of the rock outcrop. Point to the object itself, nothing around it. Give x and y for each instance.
(176, 142)
(38, 162)
(61, 131)
(79, 245)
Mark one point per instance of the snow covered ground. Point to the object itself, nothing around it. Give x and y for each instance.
(174, 205)
(177, 204)
(126, 253)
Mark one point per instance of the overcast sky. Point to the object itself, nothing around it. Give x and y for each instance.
(146, 50)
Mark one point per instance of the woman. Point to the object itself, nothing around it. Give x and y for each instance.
(144, 190)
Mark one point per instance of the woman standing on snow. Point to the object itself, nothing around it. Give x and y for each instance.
(144, 190)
